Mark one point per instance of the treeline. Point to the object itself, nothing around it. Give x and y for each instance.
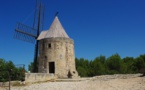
(112, 65)
(8, 69)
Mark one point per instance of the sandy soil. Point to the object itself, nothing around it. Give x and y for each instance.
(105, 82)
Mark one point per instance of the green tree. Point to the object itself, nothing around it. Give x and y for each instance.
(82, 66)
(128, 62)
(31, 67)
(82, 71)
(98, 66)
(138, 64)
(114, 64)
(8, 69)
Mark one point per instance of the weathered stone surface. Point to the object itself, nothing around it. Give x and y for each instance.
(59, 51)
(37, 77)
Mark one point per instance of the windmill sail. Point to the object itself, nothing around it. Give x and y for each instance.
(25, 33)
(30, 34)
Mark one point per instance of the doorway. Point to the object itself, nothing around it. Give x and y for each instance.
(51, 67)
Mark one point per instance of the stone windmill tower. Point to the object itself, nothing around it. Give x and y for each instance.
(56, 52)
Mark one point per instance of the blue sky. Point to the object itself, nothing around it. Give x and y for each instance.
(98, 27)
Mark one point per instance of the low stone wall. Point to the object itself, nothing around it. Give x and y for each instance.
(36, 77)
(31, 78)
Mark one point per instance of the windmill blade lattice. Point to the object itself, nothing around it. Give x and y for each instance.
(25, 33)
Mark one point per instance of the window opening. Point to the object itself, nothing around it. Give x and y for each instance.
(49, 45)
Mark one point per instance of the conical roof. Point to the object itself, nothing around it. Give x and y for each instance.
(55, 30)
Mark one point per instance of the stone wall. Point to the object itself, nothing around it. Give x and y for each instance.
(61, 52)
(37, 77)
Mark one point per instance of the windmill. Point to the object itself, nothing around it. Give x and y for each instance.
(30, 34)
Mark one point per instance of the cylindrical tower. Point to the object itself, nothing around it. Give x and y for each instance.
(56, 52)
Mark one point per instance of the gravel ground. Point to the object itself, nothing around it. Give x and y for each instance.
(105, 82)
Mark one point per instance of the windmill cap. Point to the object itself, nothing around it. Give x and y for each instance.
(55, 30)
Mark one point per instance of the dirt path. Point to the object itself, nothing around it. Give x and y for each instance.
(105, 82)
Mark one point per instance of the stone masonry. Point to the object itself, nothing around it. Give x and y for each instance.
(56, 52)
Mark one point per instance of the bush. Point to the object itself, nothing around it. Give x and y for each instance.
(8, 69)
(112, 65)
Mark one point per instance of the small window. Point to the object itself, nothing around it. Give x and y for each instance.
(49, 45)
(45, 57)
